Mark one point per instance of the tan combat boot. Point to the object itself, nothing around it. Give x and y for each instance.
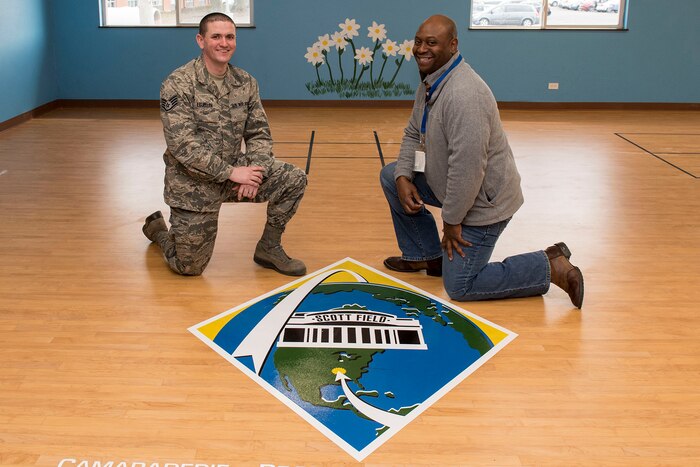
(270, 254)
(154, 225)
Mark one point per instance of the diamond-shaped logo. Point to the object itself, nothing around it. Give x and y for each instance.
(353, 351)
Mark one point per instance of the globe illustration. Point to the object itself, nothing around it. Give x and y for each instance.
(360, 357)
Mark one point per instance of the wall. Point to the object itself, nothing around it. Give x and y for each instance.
(27, 73)
(655, 61)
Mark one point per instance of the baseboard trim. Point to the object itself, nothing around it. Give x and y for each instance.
(153, 104)
(501, 105)
(384, 104)
(21, 118)
(108, 103)
(599, 105)
(133, 103)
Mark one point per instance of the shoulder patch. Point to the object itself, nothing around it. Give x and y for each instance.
(169, 104)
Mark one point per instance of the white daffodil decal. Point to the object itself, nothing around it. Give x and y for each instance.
(349, 28)
(324, 43)
(389, 48)
(363, 56)
(314, 56)
(406, 50)
(377, 32)
(338, 39)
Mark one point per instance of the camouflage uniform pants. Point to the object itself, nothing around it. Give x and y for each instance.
(189, 244)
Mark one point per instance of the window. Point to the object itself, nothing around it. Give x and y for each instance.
(365, 336)
(157, 13)
(548, 14)
(408, 337)
(293, 335)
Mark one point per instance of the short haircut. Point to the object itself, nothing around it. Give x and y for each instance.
(210, 18)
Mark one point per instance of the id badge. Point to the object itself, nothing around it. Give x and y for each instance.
(419, 161)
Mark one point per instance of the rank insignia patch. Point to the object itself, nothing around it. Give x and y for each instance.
(169, 104)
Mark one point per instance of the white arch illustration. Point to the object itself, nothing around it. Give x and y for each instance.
(259, 341)
(378, 415)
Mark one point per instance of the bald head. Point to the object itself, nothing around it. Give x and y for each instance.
(443, 22)
(435, 43)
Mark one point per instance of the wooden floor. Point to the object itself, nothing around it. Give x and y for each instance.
(97, 363)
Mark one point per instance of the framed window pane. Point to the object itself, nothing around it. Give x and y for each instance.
(138, 13)
(500, 14)
(240, 11)
(172, 12)
(585, 13)
(547, 14)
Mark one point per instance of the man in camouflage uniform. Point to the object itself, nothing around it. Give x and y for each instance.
(209, 108)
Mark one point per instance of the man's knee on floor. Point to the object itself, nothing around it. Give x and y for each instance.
(457, 290)
(187, 269)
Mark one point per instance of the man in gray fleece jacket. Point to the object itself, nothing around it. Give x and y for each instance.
(455, 155)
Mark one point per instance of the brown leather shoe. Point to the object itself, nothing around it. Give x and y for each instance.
(558, 249)
(564, 274)
(432, 267)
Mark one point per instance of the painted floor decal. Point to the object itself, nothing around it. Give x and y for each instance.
(355, 352)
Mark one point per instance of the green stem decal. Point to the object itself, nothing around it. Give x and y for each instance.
(325, 55)
(398, 67)
(354, 61)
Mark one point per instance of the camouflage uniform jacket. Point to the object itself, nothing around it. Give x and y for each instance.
(204, 128)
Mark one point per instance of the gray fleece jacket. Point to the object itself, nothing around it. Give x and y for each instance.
(469, 164)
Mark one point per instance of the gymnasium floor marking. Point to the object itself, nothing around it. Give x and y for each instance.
(355, 352)
(630, 138)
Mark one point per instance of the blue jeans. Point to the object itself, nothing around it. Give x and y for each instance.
(472, 277)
